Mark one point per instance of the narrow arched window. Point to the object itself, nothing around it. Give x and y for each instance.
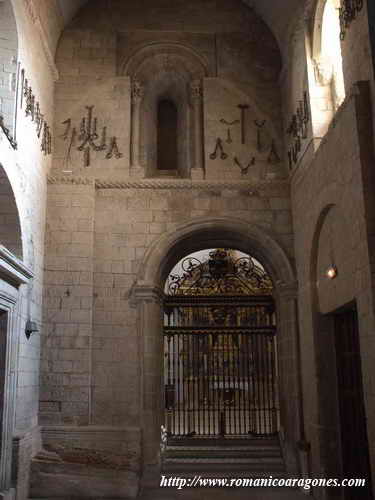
(331, 51)
(167, 125)
(326, 81)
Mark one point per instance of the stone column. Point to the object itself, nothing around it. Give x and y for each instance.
(196, 96)
(291, 408)
(137, 93)
(149, 301)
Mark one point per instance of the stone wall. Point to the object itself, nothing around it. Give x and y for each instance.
(8, 63)
(97, 239)
(105, 213)
(333, 189)
(105, 65)
(332, 204)
(26, 170)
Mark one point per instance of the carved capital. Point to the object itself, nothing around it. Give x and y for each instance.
(196, 90)
(137, 92)
(142, 292)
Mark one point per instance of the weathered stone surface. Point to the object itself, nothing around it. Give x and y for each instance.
(87, 242)
(50, 479)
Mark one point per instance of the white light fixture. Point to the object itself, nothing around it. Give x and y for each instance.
(332, 272)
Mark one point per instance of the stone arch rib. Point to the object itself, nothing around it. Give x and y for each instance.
(220, 232)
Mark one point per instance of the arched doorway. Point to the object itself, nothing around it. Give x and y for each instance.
(148, 295)
(13, 274)
(220, 358)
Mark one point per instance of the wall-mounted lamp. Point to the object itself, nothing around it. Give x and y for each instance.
(31, 328)
(332, 272)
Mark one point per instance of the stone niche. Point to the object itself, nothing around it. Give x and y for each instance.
(172, 72)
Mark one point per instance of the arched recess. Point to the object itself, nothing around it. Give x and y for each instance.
(10, 227)
(8, 65)
(332, 301)
(173, 72)
(326, 390)
(171, 88)
(327, 90)
(13, 274)
(147, 295)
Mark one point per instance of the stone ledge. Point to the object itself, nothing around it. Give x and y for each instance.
(12, 269)
(255, 188)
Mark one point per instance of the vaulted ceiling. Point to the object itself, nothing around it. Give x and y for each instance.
(276, 13)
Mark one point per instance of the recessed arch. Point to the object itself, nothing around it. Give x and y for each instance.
(147, 296)
(218, 232)
(10, 227)
(171, 87)
(327, 88)
(175, 72)
(317, 27)
(139, 62)
(337, 335)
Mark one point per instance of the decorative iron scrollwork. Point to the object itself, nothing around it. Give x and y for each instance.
(348, 12)
(221, 273)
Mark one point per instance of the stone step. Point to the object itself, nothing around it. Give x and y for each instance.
(248, 452)
(215, 441)
(218, 458)
(220, 447)
(231, 450)
(218, 469)
(249, 462)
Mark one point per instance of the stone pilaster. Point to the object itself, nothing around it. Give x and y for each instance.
(196, 96)
(137, 94)
(148, 300)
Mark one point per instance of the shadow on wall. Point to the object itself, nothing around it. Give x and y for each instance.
(10, 228)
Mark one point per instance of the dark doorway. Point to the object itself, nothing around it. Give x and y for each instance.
(354, 443)
(167, 135)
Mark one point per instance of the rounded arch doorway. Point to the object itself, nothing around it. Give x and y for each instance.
(220, 357)
(148, 296)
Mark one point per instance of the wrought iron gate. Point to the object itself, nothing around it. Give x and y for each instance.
(219, 361)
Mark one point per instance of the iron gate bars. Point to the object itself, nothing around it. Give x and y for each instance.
(220, 366)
